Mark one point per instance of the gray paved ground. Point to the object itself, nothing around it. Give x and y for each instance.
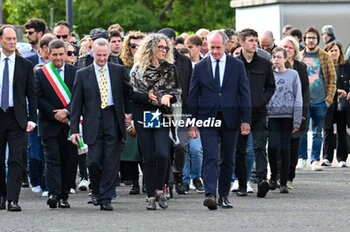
(320, 202)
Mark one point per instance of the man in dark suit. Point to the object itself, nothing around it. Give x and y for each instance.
(100, 90)
(54, 82)
(219, 89)
(16, 84)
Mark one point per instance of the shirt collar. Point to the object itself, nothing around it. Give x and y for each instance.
(62, 68)
(11, 57)
(222, 59)
(97, 67)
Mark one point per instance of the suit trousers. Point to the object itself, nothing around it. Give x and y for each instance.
(103, 158)
(14, 135)
(59, 153)
(217, 167)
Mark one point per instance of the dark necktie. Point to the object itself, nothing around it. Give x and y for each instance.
(5, 87)
(217, 74)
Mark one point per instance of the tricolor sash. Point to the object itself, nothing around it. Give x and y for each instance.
(57, 83)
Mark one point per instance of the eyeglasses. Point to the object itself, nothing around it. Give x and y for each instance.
(30, 32)
(62, 36)
(71, 53)
(311, 38)
(277, 57)
(161, 47)
(134, 45)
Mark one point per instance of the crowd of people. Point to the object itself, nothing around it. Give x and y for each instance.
(115, 103)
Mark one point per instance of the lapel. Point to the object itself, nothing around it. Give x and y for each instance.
(67, 76)
(227, 71)
(112, 80)
(16, 71)
(93, 78)
(210, 74)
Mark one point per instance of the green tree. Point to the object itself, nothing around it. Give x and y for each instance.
(144, 15)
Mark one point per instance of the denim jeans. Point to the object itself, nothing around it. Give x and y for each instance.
(36, 159)
(193, 161)
(250, 157)
(316, 113)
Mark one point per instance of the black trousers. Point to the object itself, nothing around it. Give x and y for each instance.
(103, 159)
(155, 146)
(180, 150)
(294, 150)
(280, 132)
(330, 141)
(240, 160)
(260, 133)
(59, 154)
(13, 135)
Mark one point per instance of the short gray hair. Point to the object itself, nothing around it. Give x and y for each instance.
(55, 44)
(101, 42)
(329, 29)
(215, 32)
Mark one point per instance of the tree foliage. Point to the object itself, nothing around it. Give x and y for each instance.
(143, 15)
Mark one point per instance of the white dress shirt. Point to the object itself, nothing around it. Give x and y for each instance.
(222, 65)
(11, 65)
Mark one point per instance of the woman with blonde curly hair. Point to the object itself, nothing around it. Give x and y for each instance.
(131, 158)
(130, 45)
(154, 75)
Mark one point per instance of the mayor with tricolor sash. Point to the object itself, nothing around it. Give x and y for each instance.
(54, 84)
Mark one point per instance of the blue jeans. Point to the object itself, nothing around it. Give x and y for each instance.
(36, 159)
(193, 160)
(316, 113)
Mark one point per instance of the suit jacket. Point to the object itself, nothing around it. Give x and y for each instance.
(49, 101)
(86, 101)
(34, 59)
(24, 87)
(205, 98)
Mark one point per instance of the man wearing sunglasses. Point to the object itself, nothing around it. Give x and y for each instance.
(34, 30)
(87, 59)
(42, 57)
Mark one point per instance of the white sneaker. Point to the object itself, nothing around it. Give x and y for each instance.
(84, 185)
(192, 185)
(326, 163)
(315, 166)
(301, 164)
(342, 164)
(36, 189)
(249, 188)
(45, 194)
(235, 186)
(72, 191)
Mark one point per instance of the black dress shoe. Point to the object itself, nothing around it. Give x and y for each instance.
(273, 185)
(151, 205)
(13, 206)
(263, 188)
(224, 203)
(241, 192)
(106, 207)
(2, 203)
(162, 201)
(63, 204)
(135, 188)
(52, 201)
(210, 202)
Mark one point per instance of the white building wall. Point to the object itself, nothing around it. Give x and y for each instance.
(274, 17)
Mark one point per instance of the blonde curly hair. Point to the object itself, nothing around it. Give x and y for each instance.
(126, 54)
(148, 48)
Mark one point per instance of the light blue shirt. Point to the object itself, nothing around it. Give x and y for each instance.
(62, 72)
(222, 65)
(98, 76)
(27, 51)
(11, 65)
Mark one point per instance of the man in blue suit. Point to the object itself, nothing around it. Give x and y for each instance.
(219, 89)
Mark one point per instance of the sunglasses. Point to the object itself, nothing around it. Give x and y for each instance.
(71, 53)
(62, 36)
(161, 47)
(30, 32)
(134, 45)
